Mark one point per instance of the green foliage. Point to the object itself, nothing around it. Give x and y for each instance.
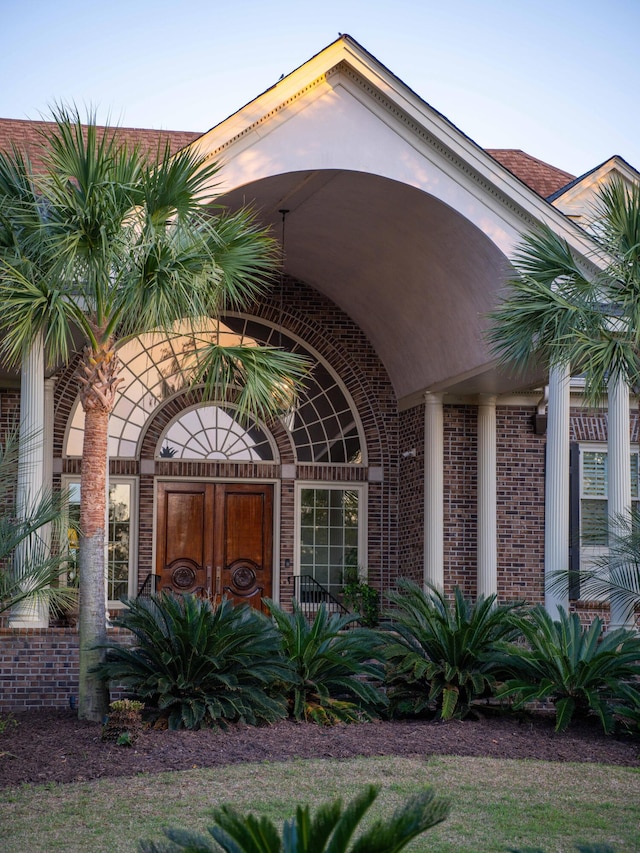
(360, 597)
(329, 666)
(199, 665)
(29, 572)
(581, 670)
(441, 654)
(7, 723)
(629, 712)
(329, 830)
(124, 722)
(105, 244)
(616, 574)
(553, 313)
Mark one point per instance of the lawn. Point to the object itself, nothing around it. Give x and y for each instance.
(496, 804)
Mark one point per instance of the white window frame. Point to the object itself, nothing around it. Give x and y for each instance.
(132, 583)
(362, 490)
(590, 553)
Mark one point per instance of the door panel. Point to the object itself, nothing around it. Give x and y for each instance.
(245, 514)
(185, 551)
(216, 539)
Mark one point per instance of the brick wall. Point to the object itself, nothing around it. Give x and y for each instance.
(309, 316)
(520, 506)
(460, 502)
(39, 667)
(411, 514)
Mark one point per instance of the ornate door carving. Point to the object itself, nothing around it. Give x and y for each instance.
(216, 539)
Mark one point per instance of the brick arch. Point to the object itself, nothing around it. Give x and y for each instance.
(312, 317)
(318, 322)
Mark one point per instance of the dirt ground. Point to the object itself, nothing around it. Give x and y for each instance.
(54, 746)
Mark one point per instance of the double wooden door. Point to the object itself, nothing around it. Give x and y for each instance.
(216, 539)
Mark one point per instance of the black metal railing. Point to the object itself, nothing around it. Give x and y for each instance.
(309, 595)
(149, 586)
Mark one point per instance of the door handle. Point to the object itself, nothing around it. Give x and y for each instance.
(218, 580)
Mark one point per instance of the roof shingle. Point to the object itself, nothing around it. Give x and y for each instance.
(27, 137)
(541, 177)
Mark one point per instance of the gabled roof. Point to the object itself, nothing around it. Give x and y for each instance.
(576, 200)
(394, 214)
(27, 137)
(541, 177)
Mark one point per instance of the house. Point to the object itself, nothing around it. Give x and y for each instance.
(409, 453)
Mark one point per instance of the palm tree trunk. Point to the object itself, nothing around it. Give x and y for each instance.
(93, 693)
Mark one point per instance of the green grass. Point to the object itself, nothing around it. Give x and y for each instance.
(495, 804)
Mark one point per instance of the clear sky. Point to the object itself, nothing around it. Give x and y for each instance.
(557, 78)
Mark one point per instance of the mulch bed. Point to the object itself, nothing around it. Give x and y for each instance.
(54, 746)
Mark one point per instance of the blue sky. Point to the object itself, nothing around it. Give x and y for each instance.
(557, 79)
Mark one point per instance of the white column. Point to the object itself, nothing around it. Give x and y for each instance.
(434, 490)
(556, 490)
(30, 465)
(619, 471)
(487, 514)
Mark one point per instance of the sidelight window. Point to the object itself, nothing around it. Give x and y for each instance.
(120, 535)
(330, 536)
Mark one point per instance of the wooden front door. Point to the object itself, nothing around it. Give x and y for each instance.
(216, 539)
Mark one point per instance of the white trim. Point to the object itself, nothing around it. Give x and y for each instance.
(134, 483)
(363, 525)
(238, 460)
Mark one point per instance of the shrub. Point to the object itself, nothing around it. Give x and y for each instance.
(361, 598)
(441, 654)
(330, 830)
(330, 666)
(629, 711)
(197, 664)
(124, 722)
(581, 670)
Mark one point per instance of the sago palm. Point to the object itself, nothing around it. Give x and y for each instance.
(581, 670)
(440, 653)
(332, 667)
(197, 664)
(104, 246)
(329, 830)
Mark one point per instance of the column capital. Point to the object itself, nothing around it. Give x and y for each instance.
(433, 398)
(487, 399)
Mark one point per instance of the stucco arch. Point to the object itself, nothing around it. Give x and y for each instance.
(411, 271)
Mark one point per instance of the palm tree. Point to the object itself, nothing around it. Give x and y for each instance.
(107, 245)
(581, 315)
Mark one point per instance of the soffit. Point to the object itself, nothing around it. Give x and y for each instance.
(414, 274)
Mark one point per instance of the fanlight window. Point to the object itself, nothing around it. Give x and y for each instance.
(322, 422)
(211, 432)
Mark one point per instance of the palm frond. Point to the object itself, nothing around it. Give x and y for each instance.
(262, 381)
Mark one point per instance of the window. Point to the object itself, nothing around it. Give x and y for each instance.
(322, 423)
(212, 432)
(330, 539)
(593, 495)
(121, 576)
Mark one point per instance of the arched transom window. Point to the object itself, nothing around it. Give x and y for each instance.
(322, 424)
(212, 432)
